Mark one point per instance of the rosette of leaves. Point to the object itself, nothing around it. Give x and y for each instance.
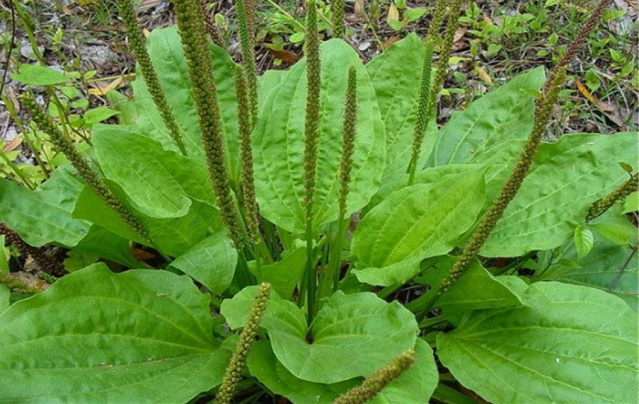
(566, 333)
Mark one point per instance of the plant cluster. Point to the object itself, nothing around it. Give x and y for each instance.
(317, 237)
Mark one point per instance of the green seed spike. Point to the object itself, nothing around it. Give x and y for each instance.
(438, 17)
(196, 50)
(601, 206)
(423, 109)
(311, 135)
(211, 28)
(246, 154)
(90, 176)
(337, 7)
(248, 57)
(348, 139)
(543, 112)
(329, 282)
(374, 384)
(427, 102)
(233, 373)
(138, 43)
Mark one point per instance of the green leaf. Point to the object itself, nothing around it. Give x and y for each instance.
(263, 365)
(159, 182)
(211, 262)
(98, 114)
(420, 221)
(278, 143)
(346, 333)
(414, 14)
(501, 119)
(168, 59)
(95, 336)
(267, 83)
(36, 75)
(283, 275)
(43, 216)
(631, 204)
(477, 289)
(176, 236)
(566, 177)
(418, 381)
(583, 241)
(394, 75)
(553, 353)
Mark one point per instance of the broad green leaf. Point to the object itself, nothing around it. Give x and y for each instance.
(417, 382)
(280, 313)
(94, 336)
(158, 181)
(283, 275)
(263, 365)
(166, 53)
(566, 177)
(278, 143)
(98, 114)
(267, 83)
(420, 221)
(211, 262)
(176, 236)
(346, 334)
(477, 289)
(578, 345)
(36, 75)
(425, 176)
(395, 75)
(503, 117)
(583, 241)
(43, 216)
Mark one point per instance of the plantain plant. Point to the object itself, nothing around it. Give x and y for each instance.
(364, 253)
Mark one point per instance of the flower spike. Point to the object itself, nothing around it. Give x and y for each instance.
(248, 336)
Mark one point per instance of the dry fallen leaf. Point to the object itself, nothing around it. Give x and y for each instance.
(459, 34)
(387, 43)
(13, 144)
(104, 89)
(283, 55)
(584, 91)
(485, 77)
